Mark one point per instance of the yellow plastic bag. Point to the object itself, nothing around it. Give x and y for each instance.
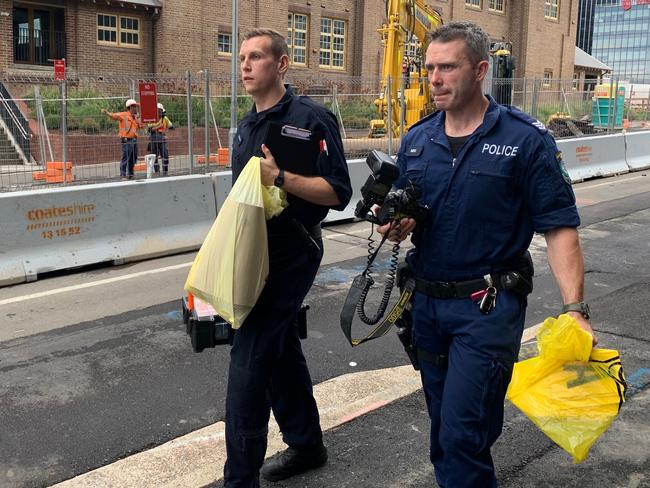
(232, 265)
(571, 399)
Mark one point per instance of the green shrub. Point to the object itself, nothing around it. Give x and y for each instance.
(90, 126)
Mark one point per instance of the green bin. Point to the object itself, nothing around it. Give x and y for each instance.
(601, 111)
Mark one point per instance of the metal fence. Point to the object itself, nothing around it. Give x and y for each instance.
(63, 120)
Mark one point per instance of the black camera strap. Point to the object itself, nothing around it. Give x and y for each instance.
(356, 290)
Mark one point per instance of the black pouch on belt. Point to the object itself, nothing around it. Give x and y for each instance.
(520, 280)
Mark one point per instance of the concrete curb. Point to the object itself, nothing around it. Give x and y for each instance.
(197, 459)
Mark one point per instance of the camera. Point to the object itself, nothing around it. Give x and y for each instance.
(394, 205)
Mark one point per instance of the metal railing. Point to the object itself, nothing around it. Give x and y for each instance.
(202, 123)
(15, 123)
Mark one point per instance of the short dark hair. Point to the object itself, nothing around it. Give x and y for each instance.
(476, 39)
(278, 42)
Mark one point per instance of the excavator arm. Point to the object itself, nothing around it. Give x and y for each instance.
(406, 20)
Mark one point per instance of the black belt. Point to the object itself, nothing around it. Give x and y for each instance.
(127, 139)
(454, 289)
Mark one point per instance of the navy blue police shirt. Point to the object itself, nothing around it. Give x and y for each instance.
(304, 113)
(506, 183)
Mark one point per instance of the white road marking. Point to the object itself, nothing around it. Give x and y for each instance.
(92, 284)
(609, 183)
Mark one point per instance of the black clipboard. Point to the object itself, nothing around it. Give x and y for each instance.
(295, 150)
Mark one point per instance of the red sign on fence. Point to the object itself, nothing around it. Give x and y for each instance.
(59, 69)
(148, 102)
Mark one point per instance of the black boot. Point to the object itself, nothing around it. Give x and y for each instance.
(292, 461)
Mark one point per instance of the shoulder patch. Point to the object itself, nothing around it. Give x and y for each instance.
(528, 119)
(562, 166)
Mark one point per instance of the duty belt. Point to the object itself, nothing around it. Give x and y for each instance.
(454, 289)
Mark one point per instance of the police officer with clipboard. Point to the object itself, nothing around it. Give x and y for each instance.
(267, 367)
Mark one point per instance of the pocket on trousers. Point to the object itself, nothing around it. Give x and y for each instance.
(492, 404)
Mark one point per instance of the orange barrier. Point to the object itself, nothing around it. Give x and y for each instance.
(59, 179)
(54, 172)
(140, 167)
(58, 165)
(201, 159)
(222, 156)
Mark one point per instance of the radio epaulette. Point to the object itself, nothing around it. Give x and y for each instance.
(524, 117)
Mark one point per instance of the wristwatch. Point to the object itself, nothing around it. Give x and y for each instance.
(279, 180)
(580, 307)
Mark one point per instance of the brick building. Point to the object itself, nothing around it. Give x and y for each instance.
(327, 37)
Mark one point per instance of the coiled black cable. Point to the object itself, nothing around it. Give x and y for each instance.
(390, 279)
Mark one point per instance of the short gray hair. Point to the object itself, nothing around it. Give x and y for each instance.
(476, 39)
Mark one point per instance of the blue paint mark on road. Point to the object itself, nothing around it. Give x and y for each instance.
(174, 315)
(339, 275)
(640, 379)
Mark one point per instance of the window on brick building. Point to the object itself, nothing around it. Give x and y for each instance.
(38, 34)
(332, 43)
(224, 44)
(548, 76)
(473, 3)
(576, 81)
(551, 9)
(496, 5)
(118, 30)
(297, 35)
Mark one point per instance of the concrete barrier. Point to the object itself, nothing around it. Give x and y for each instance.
(637, 150)
(62, 228)
(359, 173)
(589, 157)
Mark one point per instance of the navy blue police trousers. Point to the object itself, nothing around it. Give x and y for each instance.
(268, 369)
(465, 397)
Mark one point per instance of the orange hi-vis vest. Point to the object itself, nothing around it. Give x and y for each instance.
(162, 125)
(128, 124)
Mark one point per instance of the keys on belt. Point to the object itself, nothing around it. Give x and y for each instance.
(487, 298)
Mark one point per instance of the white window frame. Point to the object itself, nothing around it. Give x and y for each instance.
(552, 9)
(497, 6)
(224, 35)
(473, 4)
(548, 77)
(331, 37)
(119, 30)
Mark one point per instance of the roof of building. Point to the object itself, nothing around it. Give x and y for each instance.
(147, 3)
(586, 60)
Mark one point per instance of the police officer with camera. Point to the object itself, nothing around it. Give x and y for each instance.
(491, 177)
(267, 367)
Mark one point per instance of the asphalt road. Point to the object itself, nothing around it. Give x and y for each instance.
(95, 364)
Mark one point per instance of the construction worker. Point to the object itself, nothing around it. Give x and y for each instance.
(129, 125)
(158, 141)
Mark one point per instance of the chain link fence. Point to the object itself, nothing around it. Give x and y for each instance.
(44, 122)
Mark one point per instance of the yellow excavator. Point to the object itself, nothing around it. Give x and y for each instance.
(407, 25)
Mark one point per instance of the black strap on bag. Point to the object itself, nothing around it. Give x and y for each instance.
(356, 290)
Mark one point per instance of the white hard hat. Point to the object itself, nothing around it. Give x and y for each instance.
(130, 102)
(161, 107)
